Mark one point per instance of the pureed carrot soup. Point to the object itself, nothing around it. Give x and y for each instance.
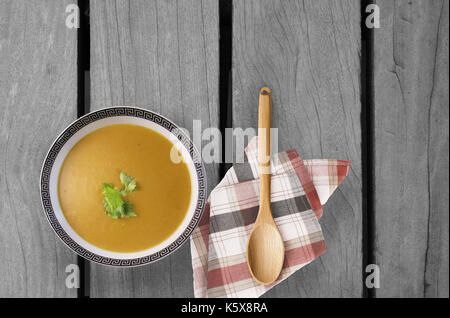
(100, 200)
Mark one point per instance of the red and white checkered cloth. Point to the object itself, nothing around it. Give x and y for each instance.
(298, 190)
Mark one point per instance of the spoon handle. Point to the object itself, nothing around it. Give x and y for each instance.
(264, 125)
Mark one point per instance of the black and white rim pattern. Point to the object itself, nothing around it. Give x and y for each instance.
(113, 112)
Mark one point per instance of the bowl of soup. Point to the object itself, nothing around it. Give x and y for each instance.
(123, 186)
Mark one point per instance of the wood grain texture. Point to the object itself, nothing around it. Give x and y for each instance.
(411, 148)
(163, 56)
(38, 99)
(308, 53)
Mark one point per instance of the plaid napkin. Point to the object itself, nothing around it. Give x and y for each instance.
(298, 190)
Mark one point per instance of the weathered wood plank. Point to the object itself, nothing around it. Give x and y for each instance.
(161, 55)
(411, 148)
(38, 88)
(308, 53)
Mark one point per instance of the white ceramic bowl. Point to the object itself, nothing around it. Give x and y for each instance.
(93, 121)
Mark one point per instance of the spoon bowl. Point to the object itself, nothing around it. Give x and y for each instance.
(265, 253)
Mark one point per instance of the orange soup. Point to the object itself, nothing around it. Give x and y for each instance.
(162, 195)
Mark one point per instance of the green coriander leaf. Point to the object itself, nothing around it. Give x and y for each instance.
(128, 182)
(115, 206)
(113, 201)
(129, 210)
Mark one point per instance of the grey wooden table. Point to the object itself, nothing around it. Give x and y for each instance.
(376, 97)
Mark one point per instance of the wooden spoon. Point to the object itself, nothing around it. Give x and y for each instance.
(265, 248)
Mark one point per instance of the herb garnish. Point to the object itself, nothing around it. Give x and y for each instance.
(116, 207)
